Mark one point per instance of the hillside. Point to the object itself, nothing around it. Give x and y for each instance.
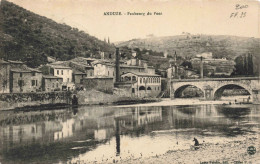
(31, 38)
(187, 45)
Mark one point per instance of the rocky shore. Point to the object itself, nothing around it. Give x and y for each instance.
(230, 152)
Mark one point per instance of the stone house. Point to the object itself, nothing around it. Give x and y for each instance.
(51, 83)
(4, 76)
(25, 79)
(78, 77)
(104, 84)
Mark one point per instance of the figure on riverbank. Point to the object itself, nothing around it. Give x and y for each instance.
(196, 144)
(74, 100)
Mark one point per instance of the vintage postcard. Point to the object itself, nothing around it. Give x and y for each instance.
(130, 81)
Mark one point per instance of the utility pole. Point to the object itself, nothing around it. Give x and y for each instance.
(201, 67)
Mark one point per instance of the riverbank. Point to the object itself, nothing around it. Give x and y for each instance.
(184, 101)
(226, 152)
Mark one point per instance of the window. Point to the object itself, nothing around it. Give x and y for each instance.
(53, 85)
(68, 79)
(36, 82)
(21, 74)
(113, 73)
(20, 83)
(62, 72)
(140, 80)
(57, 85)
(108, 73)
(58, 72)
(33, 82)
(33, 73)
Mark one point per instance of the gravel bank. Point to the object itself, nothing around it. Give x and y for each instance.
(231, 152)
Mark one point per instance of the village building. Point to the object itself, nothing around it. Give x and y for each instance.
(107, 68)
(65, 73)
(4, 76)
(78, 78)
(212, 66)
(181, 73)
(100, 83)
(51, 83)
(84, 65)
(25, 79)
(143, 84)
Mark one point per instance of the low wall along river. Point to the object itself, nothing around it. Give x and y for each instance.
(14, 100)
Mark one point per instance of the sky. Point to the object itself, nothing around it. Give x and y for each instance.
(212, 17)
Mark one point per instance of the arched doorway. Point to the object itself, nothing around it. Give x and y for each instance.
(141, 88)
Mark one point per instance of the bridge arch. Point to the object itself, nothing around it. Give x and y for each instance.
(219, 91)
(178, 91)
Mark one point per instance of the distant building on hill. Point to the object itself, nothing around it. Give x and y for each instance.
(212, 66)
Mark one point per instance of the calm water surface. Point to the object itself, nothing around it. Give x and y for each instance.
(107, 133)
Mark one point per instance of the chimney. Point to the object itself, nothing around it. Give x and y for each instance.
(117, 65)
(201, 67)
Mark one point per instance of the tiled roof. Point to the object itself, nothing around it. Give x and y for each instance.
(59, 66)
(15, 62)
(98, 77)
(143, 74)
(24, 70)
(3, 62)
(51, 77)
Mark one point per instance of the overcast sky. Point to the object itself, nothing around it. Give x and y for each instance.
(195, 17)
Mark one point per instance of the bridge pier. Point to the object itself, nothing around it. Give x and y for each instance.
(208, 93)
(256, 96)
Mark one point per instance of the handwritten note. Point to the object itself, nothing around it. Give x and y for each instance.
(240, 11)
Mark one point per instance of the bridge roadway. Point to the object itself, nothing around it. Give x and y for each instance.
(213, 88)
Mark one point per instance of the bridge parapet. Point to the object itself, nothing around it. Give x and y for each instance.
(214, 87)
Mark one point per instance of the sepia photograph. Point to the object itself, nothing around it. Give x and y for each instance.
(129, 81)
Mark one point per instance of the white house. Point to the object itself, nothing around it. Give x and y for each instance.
(65, 73)
(143, 84)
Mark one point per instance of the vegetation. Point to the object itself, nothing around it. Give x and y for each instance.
(188, 46)
(31, 38)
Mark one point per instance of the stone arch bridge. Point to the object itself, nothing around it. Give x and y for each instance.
(214, 87)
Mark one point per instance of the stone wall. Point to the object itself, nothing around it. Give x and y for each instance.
(90, 97)
(13, 100)
(100, 84)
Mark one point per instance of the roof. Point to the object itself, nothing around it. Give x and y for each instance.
(77, 72)
(25, 70)
(3, 62)
(59, 66)
(51, 77)
(98, 77)
(15, 62)
(143, 74)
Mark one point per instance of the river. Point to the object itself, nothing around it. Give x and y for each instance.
(109, 133)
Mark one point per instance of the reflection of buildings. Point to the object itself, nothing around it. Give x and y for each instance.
(97, 125)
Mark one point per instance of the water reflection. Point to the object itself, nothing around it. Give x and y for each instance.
(88, 132)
